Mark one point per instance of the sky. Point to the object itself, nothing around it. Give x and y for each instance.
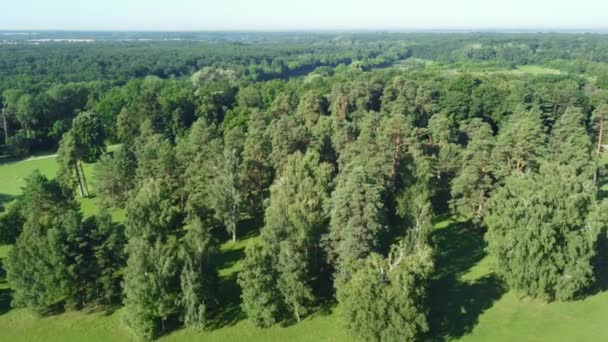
(277, 15)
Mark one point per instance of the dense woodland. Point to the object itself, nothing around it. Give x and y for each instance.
(338, 149)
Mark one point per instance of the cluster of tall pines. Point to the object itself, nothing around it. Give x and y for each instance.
(340, 174)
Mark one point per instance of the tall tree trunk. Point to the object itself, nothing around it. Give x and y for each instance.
(84, 179)
(396, 159)
(5, 124)
(296, 311)
(598, 149)
(79, 180)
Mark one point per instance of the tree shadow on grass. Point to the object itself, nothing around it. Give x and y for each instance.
(5, 294)
(455, 304)
(5, 301)
(229, 312)
(4, 198)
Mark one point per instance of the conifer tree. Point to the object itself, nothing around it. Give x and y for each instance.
(520, 144)
(471, 188)
(570, 144)
(357, 219)
(541, 233)
(385, 298)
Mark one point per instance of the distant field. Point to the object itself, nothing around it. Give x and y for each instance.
(468, 303)
(480, 69)
(535, 70)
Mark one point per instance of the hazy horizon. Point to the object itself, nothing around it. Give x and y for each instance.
(312, 15)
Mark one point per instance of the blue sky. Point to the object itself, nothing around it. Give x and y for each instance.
(301, 15)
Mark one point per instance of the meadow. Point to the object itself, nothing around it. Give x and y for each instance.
(468, 302)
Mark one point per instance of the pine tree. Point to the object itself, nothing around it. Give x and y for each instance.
(295, 219)
(570, 144)
(115, 175)
(520, 144)
(471, 188)
(110, 256)
(357, 219)
(11, 222)
(541, 233)
(257, 171)
(83, 143)
(53, 262)
(599, 123)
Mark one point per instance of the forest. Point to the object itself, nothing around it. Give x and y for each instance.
(334, 156)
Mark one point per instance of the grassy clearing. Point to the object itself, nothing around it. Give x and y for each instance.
(468, 302)
(14, 173)
(481, 69)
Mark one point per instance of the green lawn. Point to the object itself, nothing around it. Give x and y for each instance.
(13, 174)
(468, 302)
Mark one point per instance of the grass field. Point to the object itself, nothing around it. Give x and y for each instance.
(481, 69)
(468, 302)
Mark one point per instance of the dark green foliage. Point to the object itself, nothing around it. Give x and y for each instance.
(89, 137)
(11, 222)
(152, 285)
(570, 144)
(385, 298)
(169, 276)
(541, 234)
(59, 260)
(295, 219)
(108, 246)
(115, 175)
(357, 220)
(520, 145)
(258, 282)
(198, 277)
(339, 142)
(257, 171)
(472, 187)
(225, 190)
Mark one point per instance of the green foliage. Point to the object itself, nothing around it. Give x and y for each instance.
(89, 137)
(11, 223)
(541, 234)
(259, 287)
(198, 277)
(472, 187)
(570, 144)
(57, 259)
(152, 285)
(115, 176)
(385, 298)
(169, 276)
(202, 151)
(519, 145)
(357, 219)
(225, 191)
(257, 172)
